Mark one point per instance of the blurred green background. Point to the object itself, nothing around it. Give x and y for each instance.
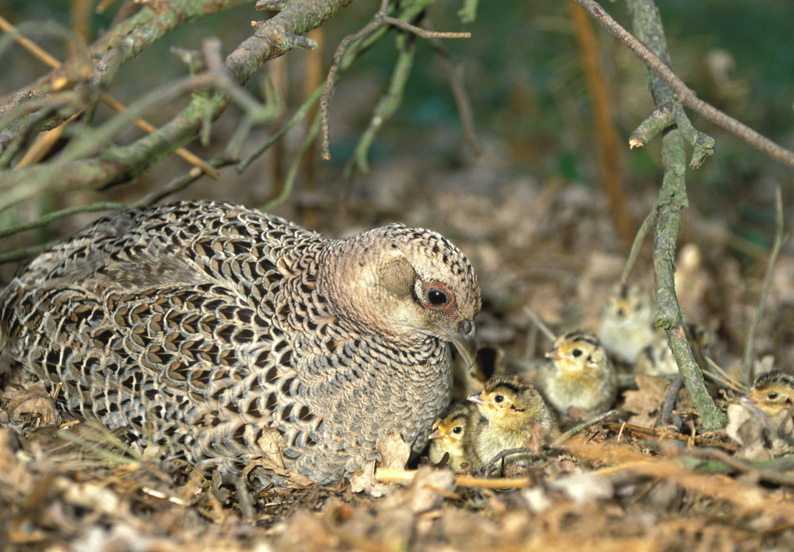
(523, 74)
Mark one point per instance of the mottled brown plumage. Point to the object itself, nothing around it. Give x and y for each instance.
(215, 331)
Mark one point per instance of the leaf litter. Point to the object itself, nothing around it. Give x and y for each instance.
(623, 483)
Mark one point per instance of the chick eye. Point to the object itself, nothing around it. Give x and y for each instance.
(498, 399)
(437, 297)
(772, 396)
(576, 352)
(457, 429)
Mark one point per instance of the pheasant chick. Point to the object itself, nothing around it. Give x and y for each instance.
(772, 392)
(507, 409)
(626, 324)
(448, 436)
(579, 374)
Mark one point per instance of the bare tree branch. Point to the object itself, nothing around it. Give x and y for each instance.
(686, 95)
(121, 164)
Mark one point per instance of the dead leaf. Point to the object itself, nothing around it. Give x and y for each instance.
(31, 401)
(394, 454)
(271, 464)
(646, 403)
(426, 492)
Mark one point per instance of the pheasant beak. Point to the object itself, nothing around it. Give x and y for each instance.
(553, 354)
(476, 398)
(435, 435)
(465, 341)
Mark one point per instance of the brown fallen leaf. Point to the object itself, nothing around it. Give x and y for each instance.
(646, 403)
(394, 454)
(31, 402)
(271, 464)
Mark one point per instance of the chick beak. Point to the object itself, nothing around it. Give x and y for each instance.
(748, 399)
(476, 398)
(465, 341)
(553, 354)
(435, 435)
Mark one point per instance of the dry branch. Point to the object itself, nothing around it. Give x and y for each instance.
(381, 20)
(683, 93)
(121, 164)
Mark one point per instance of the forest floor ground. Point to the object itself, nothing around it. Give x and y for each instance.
(620, 484)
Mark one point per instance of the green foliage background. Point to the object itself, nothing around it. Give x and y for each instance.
(523, 74)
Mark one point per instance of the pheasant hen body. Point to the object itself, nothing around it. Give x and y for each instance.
(218, 332)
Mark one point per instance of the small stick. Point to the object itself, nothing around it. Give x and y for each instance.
(734, 463)
(581, 427)
(780, 239)
(670, 399)
(391, 475)
(540, 324)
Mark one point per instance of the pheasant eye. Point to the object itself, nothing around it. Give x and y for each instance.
(437, 297)
(498, 399)
(576, 352)
(457, 429)
(772, 396)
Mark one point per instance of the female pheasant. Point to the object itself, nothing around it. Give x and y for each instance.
(209, 328)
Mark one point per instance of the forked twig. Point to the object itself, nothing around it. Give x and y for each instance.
(380, 19)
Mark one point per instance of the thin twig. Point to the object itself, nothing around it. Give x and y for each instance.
(686, 95)
(390, 475)
(419, 31)
(540, 324)
(325, 99)
(380, 19)
(720, 376)
(670, 399)
(55, 215)
(636, 246)
(581, 427)
(714, 455)
(780, 239)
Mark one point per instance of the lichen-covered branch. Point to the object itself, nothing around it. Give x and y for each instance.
(672, 200)
(686, 95)
(121, 164)
(128, 39)
(380, 21)
(667, 210)
(647, 25)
